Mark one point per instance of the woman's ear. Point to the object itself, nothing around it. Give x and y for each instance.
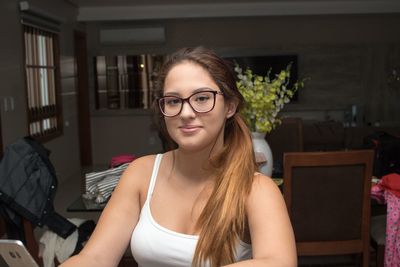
(232, 106)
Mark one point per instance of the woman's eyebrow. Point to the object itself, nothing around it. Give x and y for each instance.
(203, 89)
(172, 93)
(200, 89)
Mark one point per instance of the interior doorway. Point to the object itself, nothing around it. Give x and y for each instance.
(2, 223)
(84, 125)
(1, 140)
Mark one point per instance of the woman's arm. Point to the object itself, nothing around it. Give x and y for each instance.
(112, 235)
(271, 232)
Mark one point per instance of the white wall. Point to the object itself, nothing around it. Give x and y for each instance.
(64, 149)
(14, 122)
(345, 58)
(131, 133)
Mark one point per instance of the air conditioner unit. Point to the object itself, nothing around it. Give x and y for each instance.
(148, 35)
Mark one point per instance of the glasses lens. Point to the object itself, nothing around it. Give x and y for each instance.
(202, 101)
(170, 105)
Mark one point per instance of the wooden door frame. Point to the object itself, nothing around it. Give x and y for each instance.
(84, 123)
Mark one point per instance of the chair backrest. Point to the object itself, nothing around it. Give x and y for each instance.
(328, 199)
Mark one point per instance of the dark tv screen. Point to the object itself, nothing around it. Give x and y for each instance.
(260, 65)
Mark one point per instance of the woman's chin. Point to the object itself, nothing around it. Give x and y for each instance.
(189, 147)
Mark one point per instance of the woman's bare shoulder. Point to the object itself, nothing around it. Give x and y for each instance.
(143, 163)
(270, 229)
(264, 182)
(138, 172)
(264, 189)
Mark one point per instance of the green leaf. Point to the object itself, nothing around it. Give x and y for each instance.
(264, 96)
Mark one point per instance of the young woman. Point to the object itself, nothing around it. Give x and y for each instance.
(202, 203)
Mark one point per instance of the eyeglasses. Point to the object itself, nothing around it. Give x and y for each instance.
(200, 102)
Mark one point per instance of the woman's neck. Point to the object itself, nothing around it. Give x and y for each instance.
(195, 166)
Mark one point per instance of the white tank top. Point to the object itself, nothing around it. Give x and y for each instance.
(153, 245)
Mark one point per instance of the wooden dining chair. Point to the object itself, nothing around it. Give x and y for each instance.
(328, 199)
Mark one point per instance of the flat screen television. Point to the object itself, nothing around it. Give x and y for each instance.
(260, 65)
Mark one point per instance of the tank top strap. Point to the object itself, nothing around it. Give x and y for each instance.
(153, 177)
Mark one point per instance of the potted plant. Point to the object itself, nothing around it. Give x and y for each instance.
(265, 96)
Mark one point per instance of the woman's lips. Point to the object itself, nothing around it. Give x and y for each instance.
(189, 128)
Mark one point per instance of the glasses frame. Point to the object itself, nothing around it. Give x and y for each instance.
(183, 100)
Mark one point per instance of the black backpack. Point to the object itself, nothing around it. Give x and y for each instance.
(387, 152)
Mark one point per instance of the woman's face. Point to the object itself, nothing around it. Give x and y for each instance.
(189, 129)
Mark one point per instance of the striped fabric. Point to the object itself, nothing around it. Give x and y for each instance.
(99, 185)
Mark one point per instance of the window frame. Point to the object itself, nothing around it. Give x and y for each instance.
(42, 75)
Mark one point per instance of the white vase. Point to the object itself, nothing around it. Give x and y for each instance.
(263, 153)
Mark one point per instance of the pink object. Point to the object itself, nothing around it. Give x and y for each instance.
(388, 191)
(121, 159)
(392, 242)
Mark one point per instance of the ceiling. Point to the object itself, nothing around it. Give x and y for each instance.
(94, 3)
(114, 10)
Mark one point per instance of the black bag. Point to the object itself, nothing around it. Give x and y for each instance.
(387, 152)
(28, 185)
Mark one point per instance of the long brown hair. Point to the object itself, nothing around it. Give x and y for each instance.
(223, 219)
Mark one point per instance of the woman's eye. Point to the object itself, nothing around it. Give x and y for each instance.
(172, 101)
(202, 98)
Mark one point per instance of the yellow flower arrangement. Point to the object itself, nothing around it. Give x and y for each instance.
(264, 97)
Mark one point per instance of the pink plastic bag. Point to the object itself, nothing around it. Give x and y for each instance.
(121, 159)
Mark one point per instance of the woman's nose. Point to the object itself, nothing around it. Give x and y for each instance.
(187, 110)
